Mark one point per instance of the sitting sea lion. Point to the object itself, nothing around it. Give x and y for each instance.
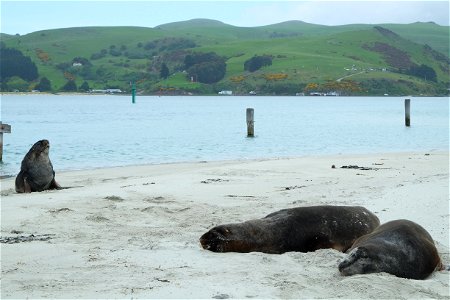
(36, 172)
(401, 247)
(300, 229)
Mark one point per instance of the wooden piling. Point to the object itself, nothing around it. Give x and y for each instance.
(407, 112)
(250, 122)
(4, 128)
(133, 93)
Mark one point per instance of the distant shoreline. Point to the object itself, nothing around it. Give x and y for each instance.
(211, 95)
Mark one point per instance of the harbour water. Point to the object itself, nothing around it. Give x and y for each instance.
(101, 131)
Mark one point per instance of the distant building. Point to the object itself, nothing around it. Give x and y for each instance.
(113, 91)
(107, 91)
(98, 91)
(226, 93)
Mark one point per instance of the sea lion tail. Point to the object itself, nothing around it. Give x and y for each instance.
(442, 267)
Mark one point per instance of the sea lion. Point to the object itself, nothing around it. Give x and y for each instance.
(300, 229)
(401, 247)
(36, 172)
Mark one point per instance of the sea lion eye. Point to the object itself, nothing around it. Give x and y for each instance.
(362, 253)
(222, 230)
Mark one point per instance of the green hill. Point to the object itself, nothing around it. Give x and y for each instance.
(352, 59)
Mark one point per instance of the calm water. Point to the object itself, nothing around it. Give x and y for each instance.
(98, 131)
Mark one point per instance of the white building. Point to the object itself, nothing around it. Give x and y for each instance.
(226, 93)
(113, 91)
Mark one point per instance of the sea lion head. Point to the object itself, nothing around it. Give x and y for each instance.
(216, 239)
(41, 147)
(360, 260)
(226, 238)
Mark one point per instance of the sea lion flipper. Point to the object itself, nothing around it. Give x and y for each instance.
(442, 267)
(54, 185)
(26, 186)
(21, 184)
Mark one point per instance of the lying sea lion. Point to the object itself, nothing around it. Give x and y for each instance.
(36, 172)
(401, 247)
(300, 229)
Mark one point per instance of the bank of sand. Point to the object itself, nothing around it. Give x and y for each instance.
(132, 232)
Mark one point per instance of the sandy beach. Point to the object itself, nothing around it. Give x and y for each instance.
(133, 232)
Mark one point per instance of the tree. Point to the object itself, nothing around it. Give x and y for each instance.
(208, 72)
(257, 62)
(199, 57)
(44, 85)
(205, 67)
(17, 83)
(70, 86)
(423, 71)
(14, 63)
(164, 72)
(81, 60)
(4, 87)
(84, 87)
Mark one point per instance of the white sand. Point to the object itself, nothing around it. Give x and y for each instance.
(132, 232)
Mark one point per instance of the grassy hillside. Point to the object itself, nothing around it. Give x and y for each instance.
(304, 55)
(425, 33)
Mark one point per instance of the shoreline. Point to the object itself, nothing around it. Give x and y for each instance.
(210, 95)
(239, 160)
(132, 231)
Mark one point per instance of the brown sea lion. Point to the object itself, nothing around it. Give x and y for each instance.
(36, 172)
(300, 229)
(401, 247)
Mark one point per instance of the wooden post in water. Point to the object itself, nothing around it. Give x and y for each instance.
(250, 122)
(133, 93)
(4, 128)
(407, 112)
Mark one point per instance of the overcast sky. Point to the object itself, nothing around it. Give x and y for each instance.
(28, 16)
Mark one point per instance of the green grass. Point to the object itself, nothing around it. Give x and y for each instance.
(179, 80)
(307, 53)
(425, 33)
